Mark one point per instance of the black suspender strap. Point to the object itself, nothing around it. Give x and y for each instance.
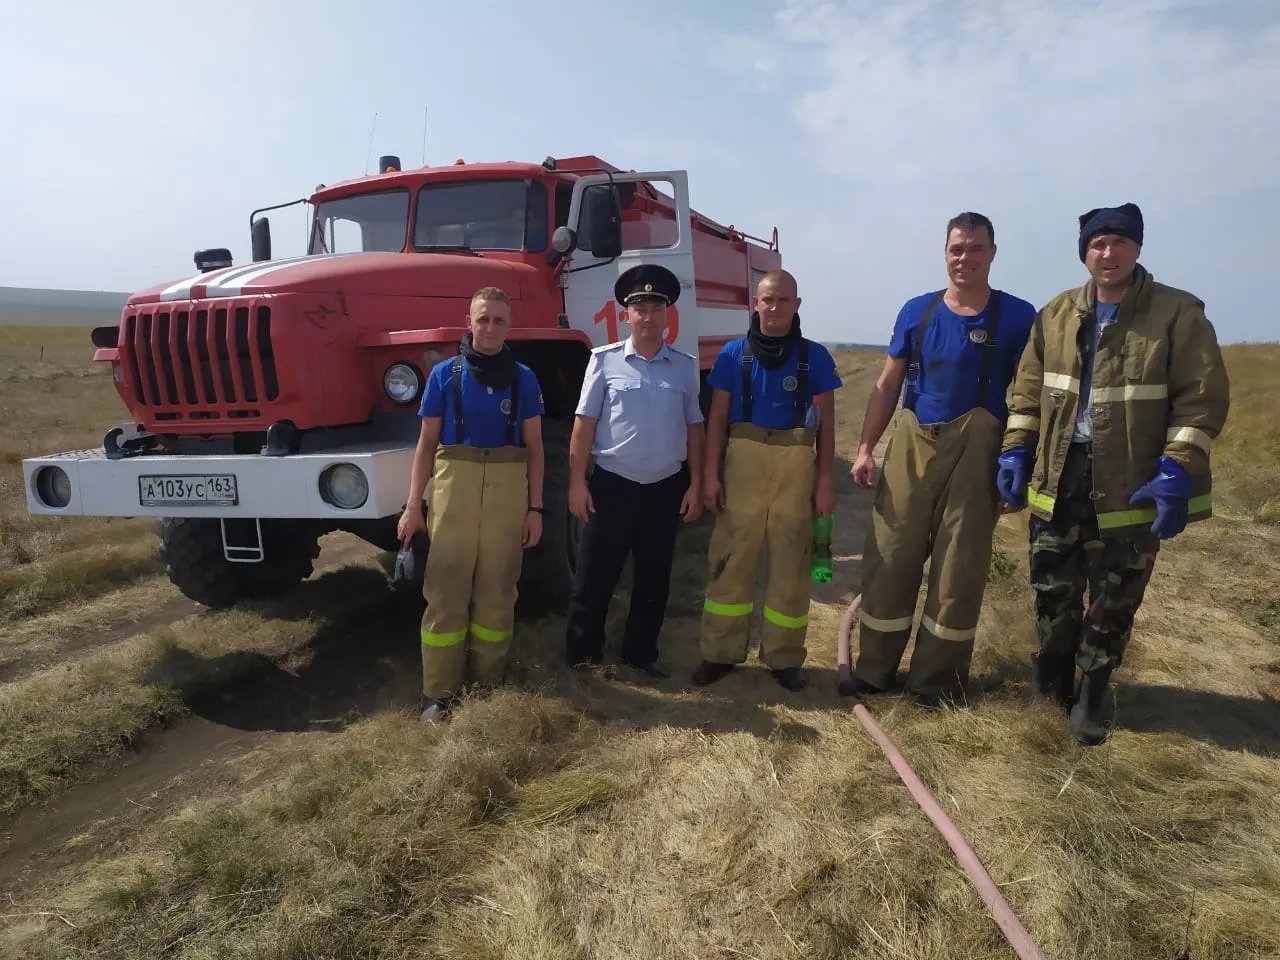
(802, 383)
(915, 367)
(747, 360)
(513, 415)
(457, 399)
(987, 345)
(986, 341)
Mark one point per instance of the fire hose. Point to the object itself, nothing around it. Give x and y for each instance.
(1007, 920)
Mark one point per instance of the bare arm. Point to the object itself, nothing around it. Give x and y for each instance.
(424, 457)
(537, 459)
(584, 431)
(881, 404)
(696, 443)
(826, 404)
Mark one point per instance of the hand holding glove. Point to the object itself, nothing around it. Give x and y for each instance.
(1170, 488)
(1011, 478)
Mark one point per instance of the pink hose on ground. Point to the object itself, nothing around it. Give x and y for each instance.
(1012, 928)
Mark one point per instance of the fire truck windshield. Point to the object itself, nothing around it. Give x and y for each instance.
(481, 215)
(365, 221)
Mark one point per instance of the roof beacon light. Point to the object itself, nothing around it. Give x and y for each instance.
(389, 164)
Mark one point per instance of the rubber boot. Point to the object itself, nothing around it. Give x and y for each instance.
(1086, 713)
(1053, 677)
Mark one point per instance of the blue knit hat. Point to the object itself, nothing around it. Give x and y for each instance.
(1124, 221)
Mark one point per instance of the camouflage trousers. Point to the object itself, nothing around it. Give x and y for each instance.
(1070, 553)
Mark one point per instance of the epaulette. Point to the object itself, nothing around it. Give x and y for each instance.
(609, 346)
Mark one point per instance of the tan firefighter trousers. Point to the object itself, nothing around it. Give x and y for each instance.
(479, 500)
(768, 488)
(936, 499)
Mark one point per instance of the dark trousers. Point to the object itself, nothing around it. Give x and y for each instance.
(1070, 554)
(630, 518)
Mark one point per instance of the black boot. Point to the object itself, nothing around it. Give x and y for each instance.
(1053, 677)
(1086, 713)
(710, 671)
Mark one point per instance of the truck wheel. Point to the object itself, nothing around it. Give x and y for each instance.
(196, 565)
(193, 559)
(547, 576)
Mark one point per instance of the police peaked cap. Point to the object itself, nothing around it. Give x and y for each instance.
(647, 281)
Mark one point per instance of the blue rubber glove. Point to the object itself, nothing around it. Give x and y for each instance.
(1011, 478)
(1170, 488)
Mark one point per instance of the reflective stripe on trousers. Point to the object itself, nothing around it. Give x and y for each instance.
(768, 486)
(479, 500)
(937, 485)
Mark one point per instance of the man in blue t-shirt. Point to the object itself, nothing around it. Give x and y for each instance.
(956, 350)
(481, 442)
(773, 393)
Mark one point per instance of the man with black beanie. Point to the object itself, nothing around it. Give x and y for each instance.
(1119, 395)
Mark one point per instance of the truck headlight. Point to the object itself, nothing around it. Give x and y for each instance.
(53, 487)
(402, 382)
(345, 486)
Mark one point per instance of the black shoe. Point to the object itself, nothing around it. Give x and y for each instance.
(857, 688)
(650, 669)
(792, 678)
(433, 710)
(930, 700)
(709, 672)
(1053, 677)
(1086, 713)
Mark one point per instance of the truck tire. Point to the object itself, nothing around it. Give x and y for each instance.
(546, 579)
(194, 561)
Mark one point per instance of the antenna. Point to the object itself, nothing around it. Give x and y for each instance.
(425, 110)
(369, 152)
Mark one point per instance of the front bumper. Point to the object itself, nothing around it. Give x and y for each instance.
(245, 485)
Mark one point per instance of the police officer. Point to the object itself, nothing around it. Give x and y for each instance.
(482, 435)
(773, 396)
(638, 416)
(956, 349)
(1118, 399)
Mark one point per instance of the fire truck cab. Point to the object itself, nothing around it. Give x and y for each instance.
(274, 402)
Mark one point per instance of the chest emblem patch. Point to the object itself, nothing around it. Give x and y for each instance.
(505, 406)
(789, 384)
(978, 336)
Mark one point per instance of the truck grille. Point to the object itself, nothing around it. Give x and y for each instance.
(201, 358)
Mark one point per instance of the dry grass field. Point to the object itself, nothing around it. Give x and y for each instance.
(253, 784)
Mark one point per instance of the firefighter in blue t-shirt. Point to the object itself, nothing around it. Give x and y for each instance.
(482, 435)
(957, 351)
(772, 395)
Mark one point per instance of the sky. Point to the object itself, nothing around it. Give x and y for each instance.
(139, 131)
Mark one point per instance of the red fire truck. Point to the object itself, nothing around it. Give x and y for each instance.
(274, 402)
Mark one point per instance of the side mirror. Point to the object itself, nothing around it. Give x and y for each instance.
(261, 234)
(601, 221)
(214, 259)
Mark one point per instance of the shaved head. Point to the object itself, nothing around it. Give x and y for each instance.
(781, 282)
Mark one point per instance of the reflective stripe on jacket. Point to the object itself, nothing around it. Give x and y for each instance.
(1159, 388)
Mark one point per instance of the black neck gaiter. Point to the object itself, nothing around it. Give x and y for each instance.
(497, 370)
(773, 351)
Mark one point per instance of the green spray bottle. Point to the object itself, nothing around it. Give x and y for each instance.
(821, 567)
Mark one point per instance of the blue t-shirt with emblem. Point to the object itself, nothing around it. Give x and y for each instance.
(1104, 313)
(773, 392)
(949, 358)
(484, 422)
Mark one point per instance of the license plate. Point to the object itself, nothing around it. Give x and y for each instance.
(188, 490)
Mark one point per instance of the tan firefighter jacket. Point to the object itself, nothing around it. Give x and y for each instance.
(1159, 387)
